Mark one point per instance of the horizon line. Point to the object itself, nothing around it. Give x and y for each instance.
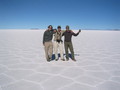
(63, 29)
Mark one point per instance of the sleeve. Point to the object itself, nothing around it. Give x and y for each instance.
(63, 34)
(44, 38)
(74, 34)
(53, 31)
(63, 31)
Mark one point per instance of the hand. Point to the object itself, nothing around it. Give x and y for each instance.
(79, 30)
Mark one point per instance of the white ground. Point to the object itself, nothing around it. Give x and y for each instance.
(23, 65)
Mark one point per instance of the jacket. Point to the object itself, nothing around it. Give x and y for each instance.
(58, 35)
(48, 35)
(68, 35)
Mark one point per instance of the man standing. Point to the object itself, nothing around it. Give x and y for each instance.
(58, 43)
(68, 43)
(47, 42)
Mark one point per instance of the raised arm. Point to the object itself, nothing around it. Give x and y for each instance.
(75, 34)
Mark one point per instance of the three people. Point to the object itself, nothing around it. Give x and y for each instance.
(58, 43)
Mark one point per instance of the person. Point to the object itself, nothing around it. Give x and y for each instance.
(68, 42)
(58, 43)
(47, 42)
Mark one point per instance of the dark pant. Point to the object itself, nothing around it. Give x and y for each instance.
(70, 46)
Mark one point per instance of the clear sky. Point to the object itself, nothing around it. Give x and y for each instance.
(84, 14)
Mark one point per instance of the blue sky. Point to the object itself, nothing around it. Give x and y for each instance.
(84, 14)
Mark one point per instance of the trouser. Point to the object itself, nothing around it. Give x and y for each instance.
(48, 50)
(68, 45)
(60, 47)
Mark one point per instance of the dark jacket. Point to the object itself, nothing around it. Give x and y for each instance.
(48, 35)
(68, 35)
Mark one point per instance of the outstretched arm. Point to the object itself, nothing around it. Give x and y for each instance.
(75, 34)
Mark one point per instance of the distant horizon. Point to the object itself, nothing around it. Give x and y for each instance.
(65, 26)
(62, 29)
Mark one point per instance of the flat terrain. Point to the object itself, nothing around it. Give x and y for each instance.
(23, 65)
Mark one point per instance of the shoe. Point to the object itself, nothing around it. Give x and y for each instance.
(48, 60)
(56, 59)
(67, 59)
(74, 60)
(63, 59)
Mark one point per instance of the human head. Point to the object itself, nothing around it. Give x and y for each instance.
(55, 29)
(50, 27)
(59, 28)
(67, 27)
